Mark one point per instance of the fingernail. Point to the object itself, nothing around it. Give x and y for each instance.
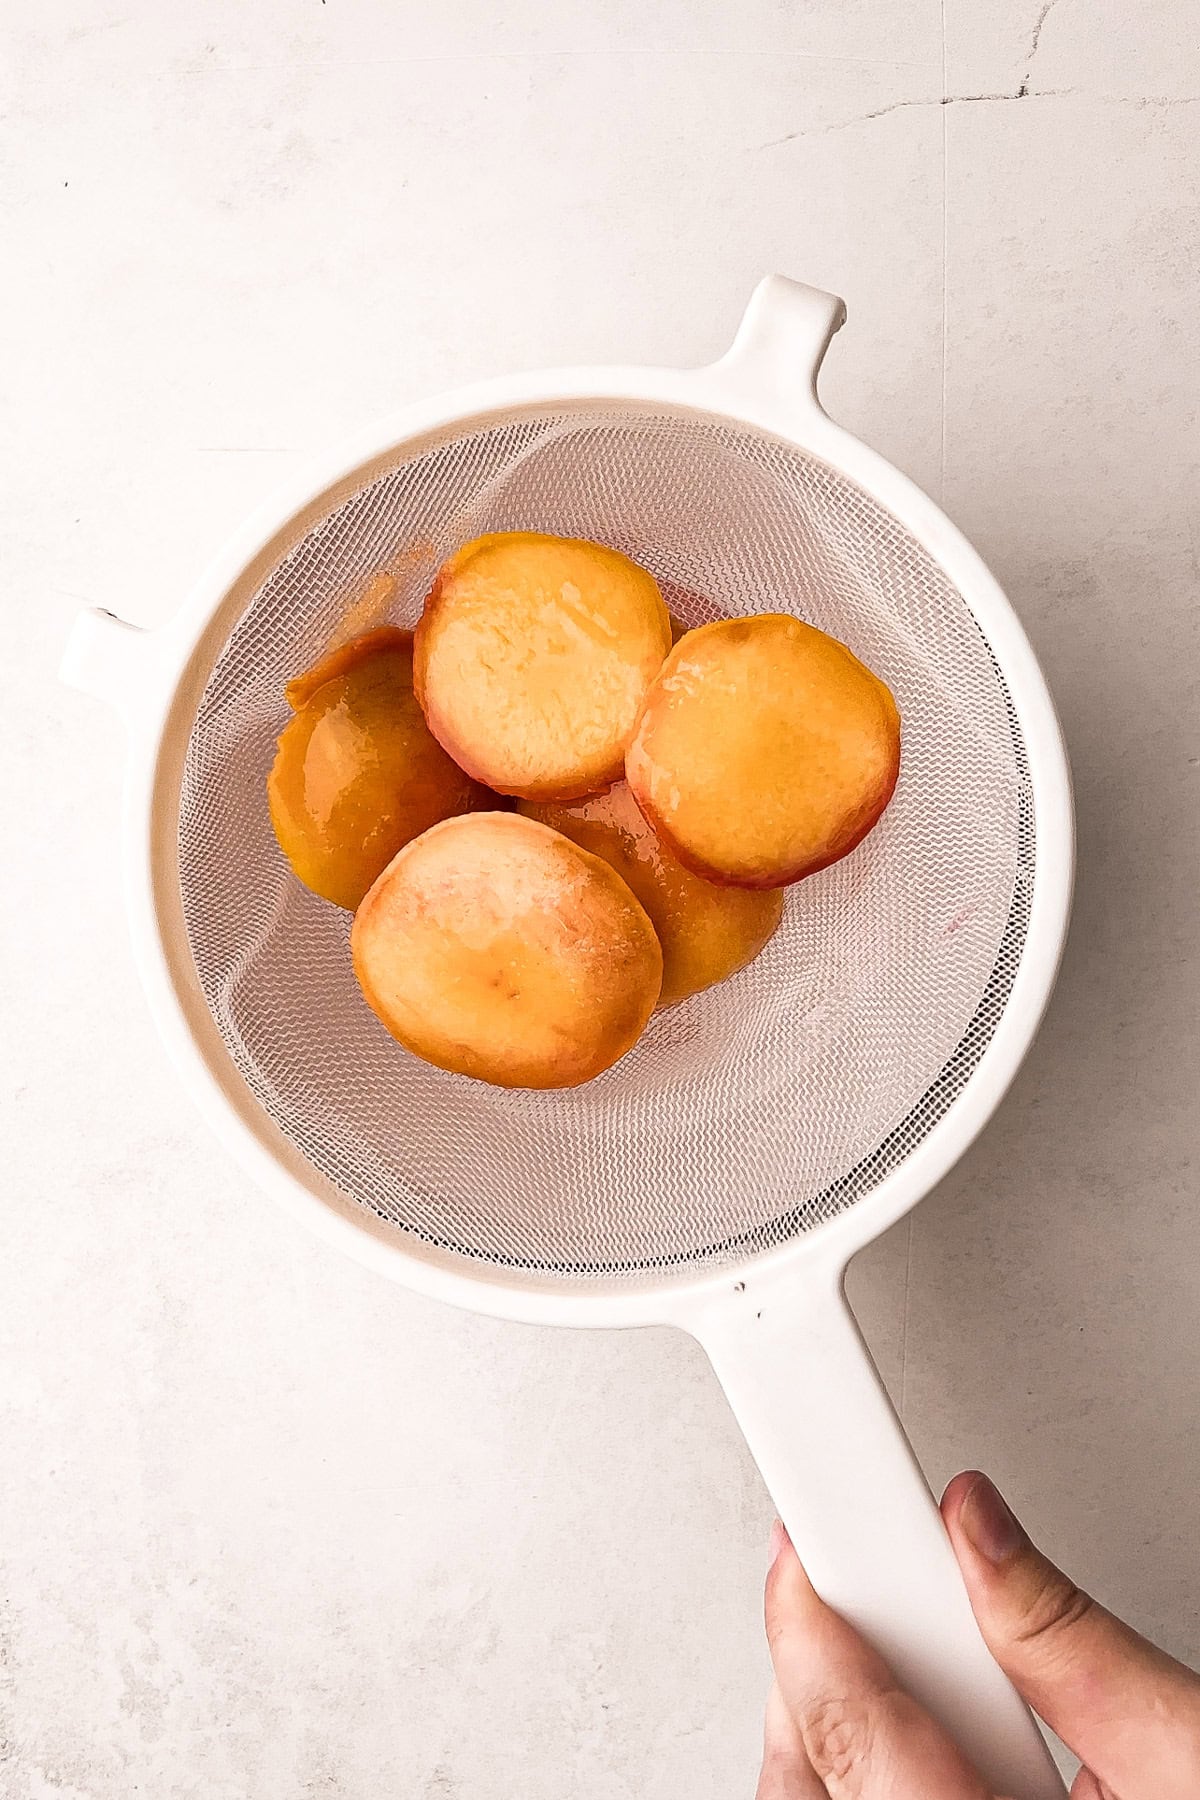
(989, 1524)
(779, 1538)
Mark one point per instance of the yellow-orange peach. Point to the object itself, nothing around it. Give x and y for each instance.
(494, 947)
(346, 656)
(764, 751)
(357, 772)
(706, 932)
(533, 656)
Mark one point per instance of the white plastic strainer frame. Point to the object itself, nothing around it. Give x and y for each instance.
(776, 1327)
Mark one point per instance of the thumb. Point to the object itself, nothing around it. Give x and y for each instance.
(1124, 1707)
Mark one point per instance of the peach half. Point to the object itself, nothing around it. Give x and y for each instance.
(706, 932)
(533, 657)
(764, 751)
(357, 772)
(495, 947)
(384, 638)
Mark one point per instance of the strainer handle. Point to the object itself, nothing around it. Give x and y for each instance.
(845, 1482)
(773, 362)
(108, 658)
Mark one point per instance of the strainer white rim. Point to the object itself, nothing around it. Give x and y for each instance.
(767, 381)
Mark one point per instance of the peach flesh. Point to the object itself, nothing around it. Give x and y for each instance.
(497, 948)
(707, 932)
(357, 772)
(532, 659)
(764, 751)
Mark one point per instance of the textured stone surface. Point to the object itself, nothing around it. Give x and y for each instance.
(269, 1526)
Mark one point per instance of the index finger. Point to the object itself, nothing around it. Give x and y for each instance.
(864, 1737)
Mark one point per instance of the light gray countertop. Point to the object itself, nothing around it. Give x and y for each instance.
(269, 1526)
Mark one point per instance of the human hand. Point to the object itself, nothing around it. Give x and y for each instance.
(838, 1728)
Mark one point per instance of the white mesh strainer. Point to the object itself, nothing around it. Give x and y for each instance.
(723, 1173)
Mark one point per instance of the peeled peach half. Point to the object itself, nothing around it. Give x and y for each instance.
(357, 772)
(301, 688)
(764, 751)
(706, 932)
(495, 947)
(533, 657)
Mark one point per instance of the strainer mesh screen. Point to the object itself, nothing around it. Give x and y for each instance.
(747, 1113)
